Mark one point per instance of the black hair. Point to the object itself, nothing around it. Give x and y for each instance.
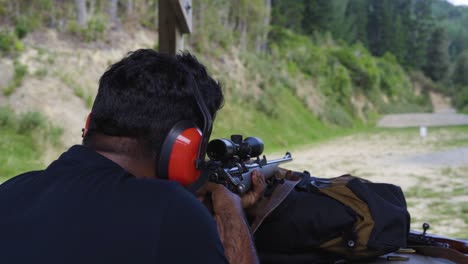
(146, 93)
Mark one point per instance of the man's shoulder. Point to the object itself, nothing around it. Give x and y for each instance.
(170, 191)
(21, 177)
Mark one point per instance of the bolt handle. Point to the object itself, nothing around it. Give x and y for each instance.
(425, 227)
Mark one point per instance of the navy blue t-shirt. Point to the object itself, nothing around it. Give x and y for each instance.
(84, 208)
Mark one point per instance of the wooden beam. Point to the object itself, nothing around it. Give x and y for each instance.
(183, 12)
(175, 19)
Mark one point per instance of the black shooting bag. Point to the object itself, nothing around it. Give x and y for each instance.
(314, 220)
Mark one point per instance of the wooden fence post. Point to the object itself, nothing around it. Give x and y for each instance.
(175, 19)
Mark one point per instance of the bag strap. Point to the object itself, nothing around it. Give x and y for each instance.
(266, 205)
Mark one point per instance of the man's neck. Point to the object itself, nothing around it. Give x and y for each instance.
(136, 167)
(126, 152)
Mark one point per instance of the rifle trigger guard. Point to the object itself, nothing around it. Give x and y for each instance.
(233, 181)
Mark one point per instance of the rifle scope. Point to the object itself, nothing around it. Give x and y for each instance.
(225, 149)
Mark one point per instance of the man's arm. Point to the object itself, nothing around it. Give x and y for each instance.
(188, 233)
(232, 225)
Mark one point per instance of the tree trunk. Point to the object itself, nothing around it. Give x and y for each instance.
(92, 7)
(129, 8)
(81, 15)
(262, 39)
(242, 23)
(243, 34)
(113, 14)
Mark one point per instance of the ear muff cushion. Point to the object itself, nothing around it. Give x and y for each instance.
(88, 119)
(179, 153)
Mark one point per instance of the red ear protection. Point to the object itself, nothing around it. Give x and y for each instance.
(179, 154)
(85, 129)
(183, 152)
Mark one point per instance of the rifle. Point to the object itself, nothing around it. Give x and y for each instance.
(423, 239)
(233, 161)
(438, 246)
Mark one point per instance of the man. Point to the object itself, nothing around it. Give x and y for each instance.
(101, 202)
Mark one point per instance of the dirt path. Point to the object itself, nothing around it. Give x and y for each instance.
(444, 115)
(433, 172)
(440, 103)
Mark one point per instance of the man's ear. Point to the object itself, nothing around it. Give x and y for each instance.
(86, 128)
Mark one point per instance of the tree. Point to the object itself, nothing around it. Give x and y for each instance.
(355, 22)
(318, 16)
(458, 42)
(81, 14)
(338, 27)
(261, 41)
(419, 32)
(460, 73)
(113, 14)
(400, 24)
(437, 55)
(129, 7)
(378, 26)
(288, 14)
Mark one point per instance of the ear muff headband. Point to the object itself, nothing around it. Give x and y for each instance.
(179, 154)
(183, 153)
(207, 124)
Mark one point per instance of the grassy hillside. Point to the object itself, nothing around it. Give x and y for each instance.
(23, 141)
(309, 89)
(305, 90)
(289, 89)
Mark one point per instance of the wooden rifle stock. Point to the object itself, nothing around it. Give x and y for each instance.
(416, 238)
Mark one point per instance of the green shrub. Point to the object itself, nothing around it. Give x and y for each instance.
(22, 139)
(7, 40)
(337, 115)
(393, 79)
(54, 135)
(389, 57)
(21, 71)
(361, 65)
(461, 100)
(375, 97)
(41, 73)
(77, 89)
(25, 25)
(9, 43)
(290, 47)
(93, 31)
(96, 28)
(31, 121)
(340, 83)
(401, 107)
(7, 117)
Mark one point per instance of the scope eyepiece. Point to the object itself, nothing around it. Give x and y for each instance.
(225, 149)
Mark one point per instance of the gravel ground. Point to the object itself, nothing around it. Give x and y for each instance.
(416, 120)
(432, 172)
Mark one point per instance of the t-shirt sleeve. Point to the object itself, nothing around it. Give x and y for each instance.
(188, 233)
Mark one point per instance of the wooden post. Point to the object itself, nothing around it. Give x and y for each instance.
(175, 19)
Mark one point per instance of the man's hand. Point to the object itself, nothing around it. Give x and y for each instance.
(247, 200)
(222, 200)
(257, 191)
(232, 226)
(225, 205)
